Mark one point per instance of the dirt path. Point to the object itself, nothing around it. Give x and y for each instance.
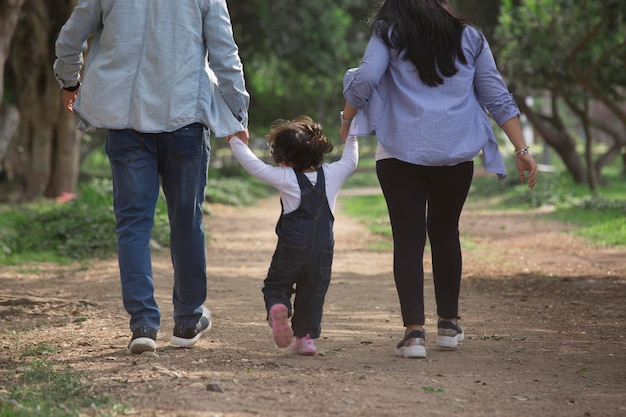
(543, 314)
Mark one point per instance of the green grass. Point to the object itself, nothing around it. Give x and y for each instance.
(599, 218)
(370, 210)
(43, 390)
(600, 226)
(80, 229)
(234, 186)
(84, 228)
(49, 232)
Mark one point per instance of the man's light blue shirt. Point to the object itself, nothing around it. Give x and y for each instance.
(154, 65)
(431, 126)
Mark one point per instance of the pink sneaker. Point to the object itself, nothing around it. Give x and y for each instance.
(279, 322)
(304, 346)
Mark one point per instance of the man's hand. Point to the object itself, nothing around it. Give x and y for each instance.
(243, 135)
(69, 97)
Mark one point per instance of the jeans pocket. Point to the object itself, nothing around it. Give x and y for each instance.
(188, 145)
(123, 145)
(289, 258)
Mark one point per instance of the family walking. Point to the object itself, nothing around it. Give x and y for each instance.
(161, 76)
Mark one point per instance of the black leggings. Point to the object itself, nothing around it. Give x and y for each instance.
(424, 199)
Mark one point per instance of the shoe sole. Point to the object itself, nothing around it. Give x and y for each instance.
(281, 331)
(141, 345)
(413, 351)
(449, 342)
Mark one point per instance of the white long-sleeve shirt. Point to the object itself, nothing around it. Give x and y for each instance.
(284, 178)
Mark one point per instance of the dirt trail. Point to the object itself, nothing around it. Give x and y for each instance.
(543, 314)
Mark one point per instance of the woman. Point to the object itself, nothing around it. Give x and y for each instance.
(422, 87)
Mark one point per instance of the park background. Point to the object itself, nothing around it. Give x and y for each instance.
(564, 61)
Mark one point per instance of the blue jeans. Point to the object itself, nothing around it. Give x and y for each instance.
(140, 163)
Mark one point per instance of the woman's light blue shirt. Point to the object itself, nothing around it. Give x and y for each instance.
(431, 126)
(154, 65)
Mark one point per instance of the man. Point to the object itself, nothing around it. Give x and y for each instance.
(159, 76)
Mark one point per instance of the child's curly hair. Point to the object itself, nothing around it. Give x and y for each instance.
(298, 143)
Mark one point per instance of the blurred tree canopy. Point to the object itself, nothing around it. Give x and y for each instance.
(573, 54)
(295, 52)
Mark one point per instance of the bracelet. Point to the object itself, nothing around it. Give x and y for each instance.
(522, 151)
(344, 121)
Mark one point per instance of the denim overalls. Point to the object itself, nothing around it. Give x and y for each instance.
(303, 258)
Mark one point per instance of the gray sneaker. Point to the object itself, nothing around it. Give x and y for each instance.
(412, 346)
(188, 336)
(449, 335)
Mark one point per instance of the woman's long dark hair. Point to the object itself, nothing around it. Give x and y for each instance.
(426, 32)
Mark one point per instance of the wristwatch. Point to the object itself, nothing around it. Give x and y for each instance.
(344, 121)
(72, 89)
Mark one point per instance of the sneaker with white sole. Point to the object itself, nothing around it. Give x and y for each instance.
(279, 322)
(185, 336)
(143, 340)
(304, 346)
(449, 335)
(412, 346)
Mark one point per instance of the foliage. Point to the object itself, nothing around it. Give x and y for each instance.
(234, 186)
(295, 54)
(78, 229)
(362, 178)
(43, 391)
(537, 39)
(574, 52)
(84, 228)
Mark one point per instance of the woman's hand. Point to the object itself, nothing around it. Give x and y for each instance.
(526, 163)
(343, 131)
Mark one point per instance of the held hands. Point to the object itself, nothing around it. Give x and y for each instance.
(526, 163)
(243, 135)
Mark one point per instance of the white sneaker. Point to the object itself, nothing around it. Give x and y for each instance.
(188, 336)
(449, 335)
(143, 340)
(412, 346)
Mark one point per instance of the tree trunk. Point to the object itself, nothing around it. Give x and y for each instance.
(9, 122)
(592, 175)
(65, 156)
(9, 116)
(9, 13)
(46, 153)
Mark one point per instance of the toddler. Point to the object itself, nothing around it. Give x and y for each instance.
(302, 261)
